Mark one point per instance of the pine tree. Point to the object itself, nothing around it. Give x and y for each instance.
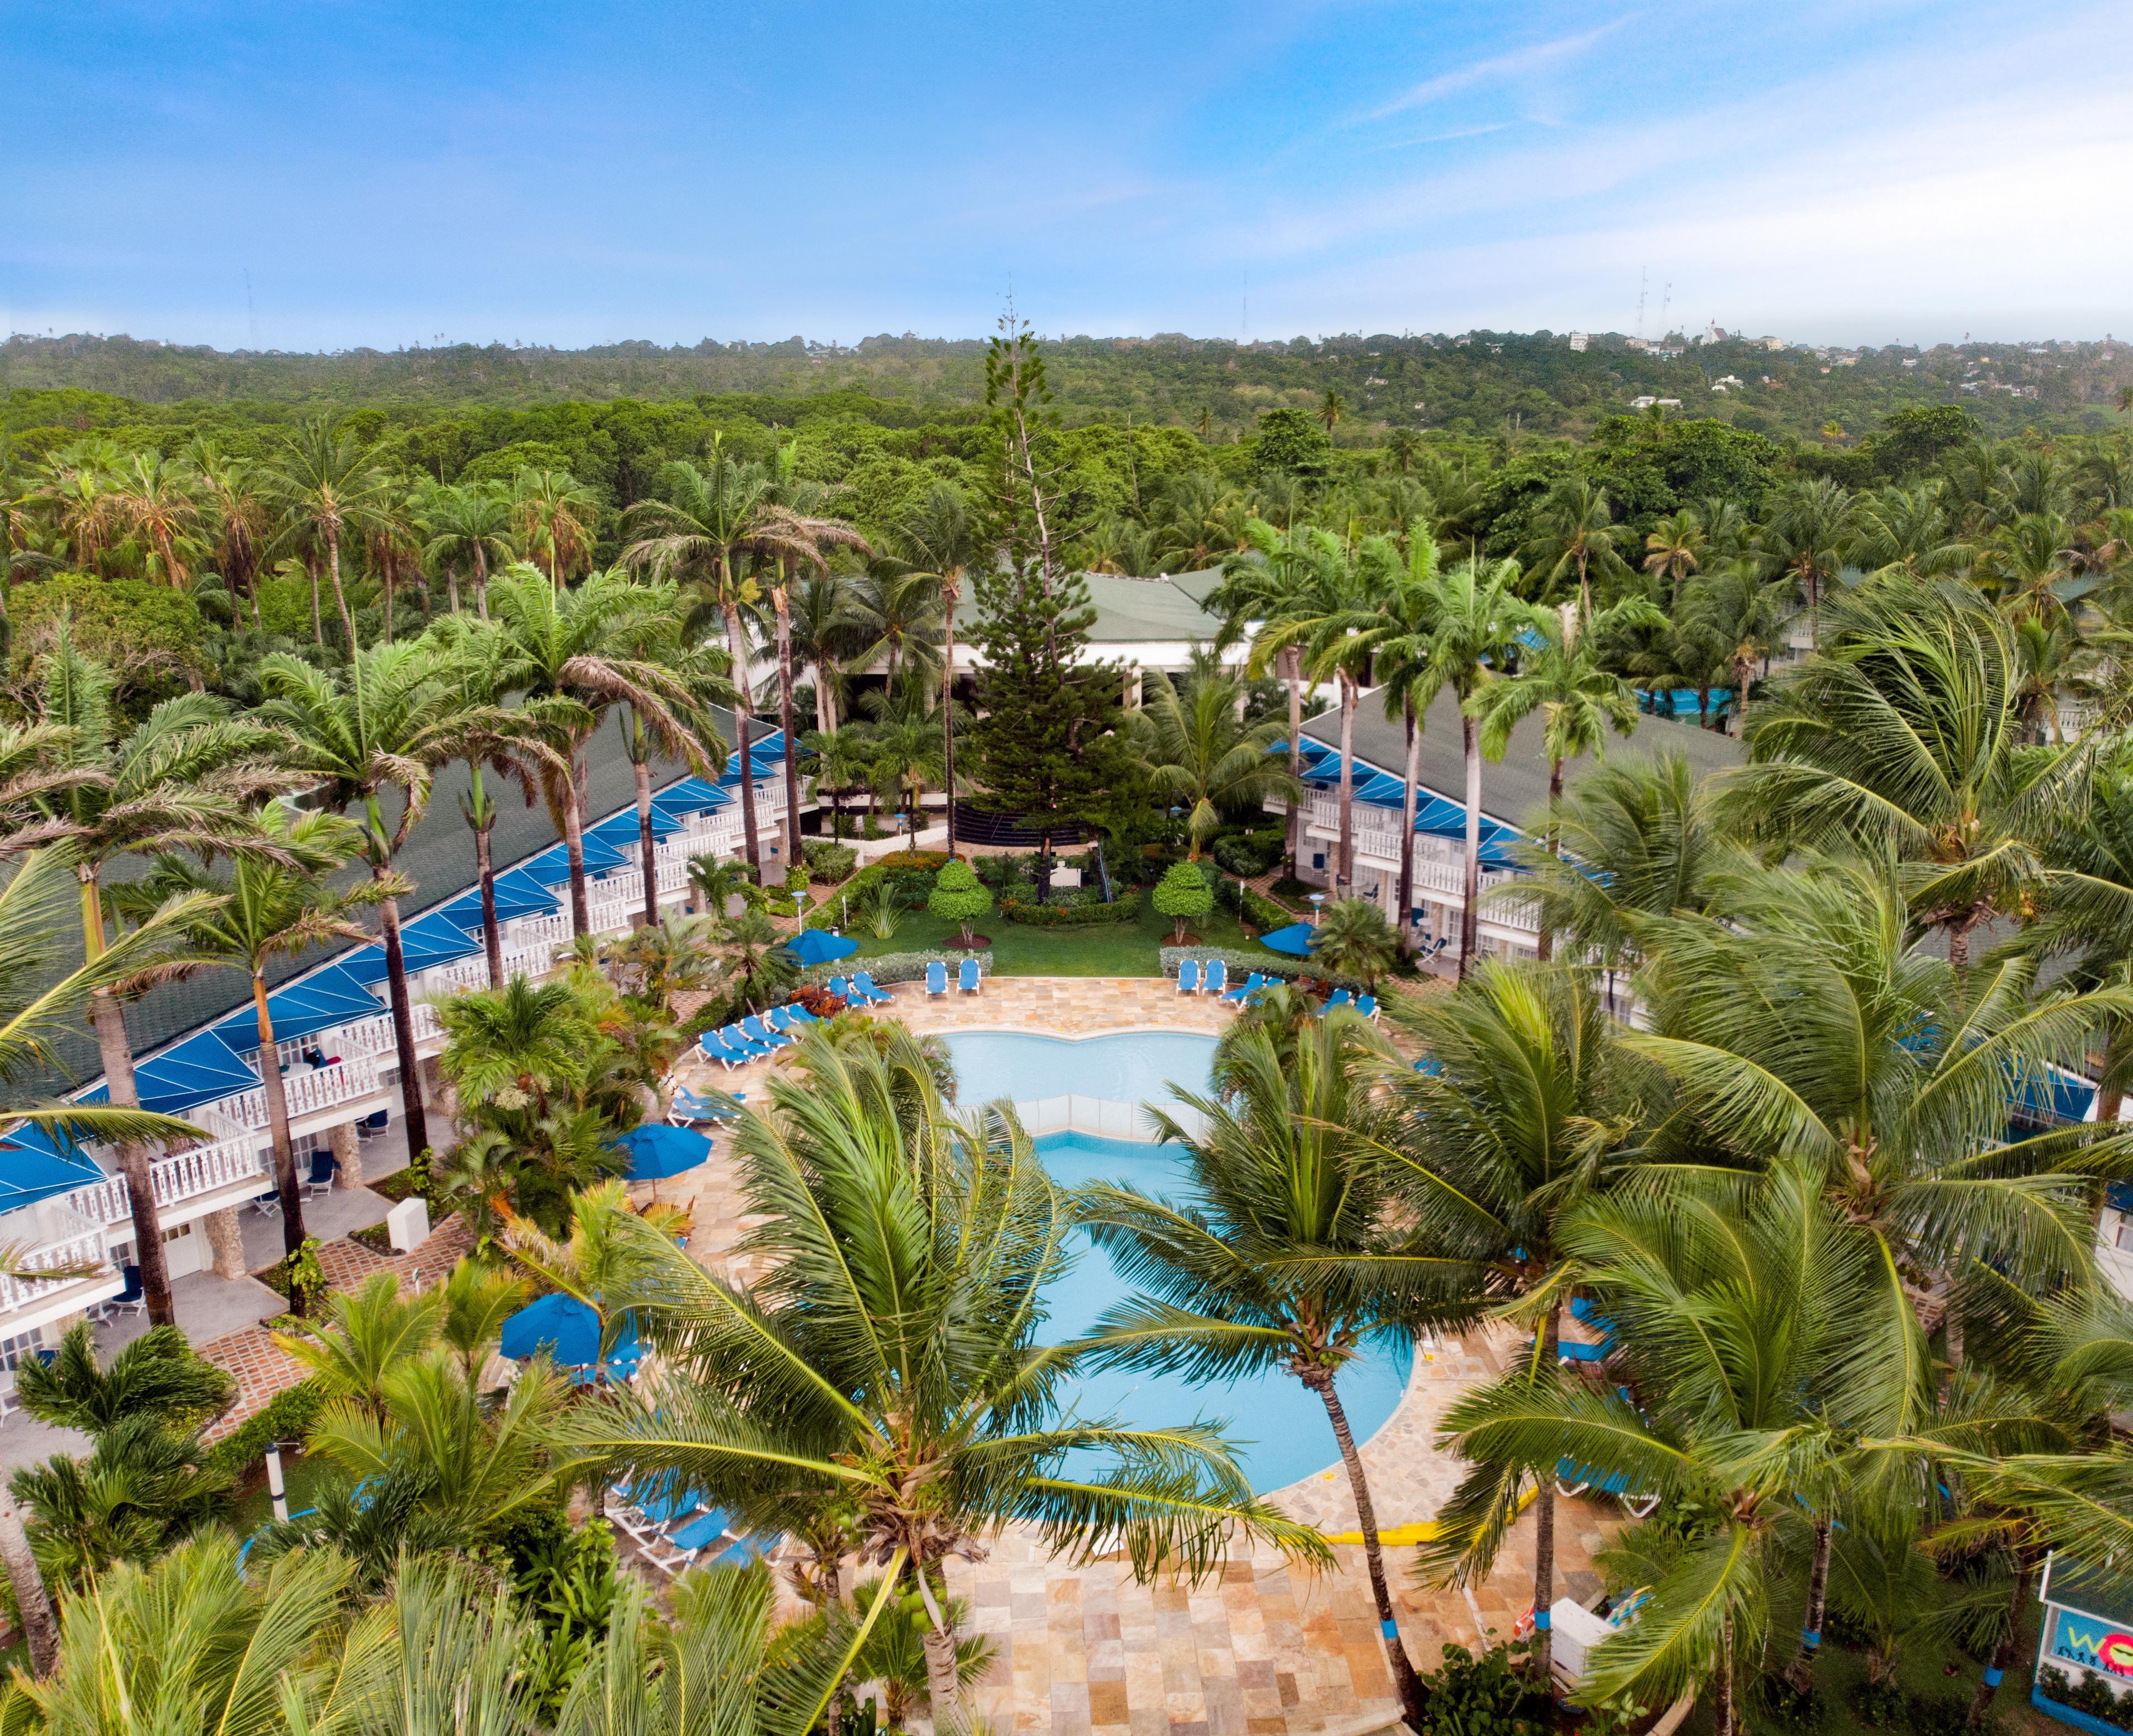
(1045, 747)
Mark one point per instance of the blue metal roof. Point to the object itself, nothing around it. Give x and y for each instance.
(518, 894)
(320, 1002)
(199, 1070)
(693, 795)
(552, 866)
(620, 830)
(36, 1164)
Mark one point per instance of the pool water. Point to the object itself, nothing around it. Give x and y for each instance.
(1280, 1430)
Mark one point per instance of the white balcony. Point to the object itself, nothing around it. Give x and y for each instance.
(350, 1080)
(178, 1179)
(47, 1235)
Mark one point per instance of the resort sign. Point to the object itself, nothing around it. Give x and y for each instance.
(2094, 1645)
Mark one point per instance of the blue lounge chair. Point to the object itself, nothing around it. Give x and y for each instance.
(689, 1109)
(1367, 1006)
(714, 1046)
(1218, 977)
(1188, 977)
(1341, 997)
(873, 997)
(780, 1021)
(967, 976)
(756, 1031)
(689, 1541)
(746, 1552)
(936, 978)
(796, 1014)
(1245, 990)
(1572, 1480)
(841, 987)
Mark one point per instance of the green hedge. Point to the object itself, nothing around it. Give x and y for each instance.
(1242, 964)
(1259, 909)
(912, 870)
(1075, 915)
(895, 967)
(287, 1416)
(829, 865)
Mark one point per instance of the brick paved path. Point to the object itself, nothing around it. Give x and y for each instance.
(263, 1369)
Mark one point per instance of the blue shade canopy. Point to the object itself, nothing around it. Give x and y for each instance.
(199, 1070)
(365, 965)
(36, 1164)
(692, 795)
(655, 1150)
(331, 998)
(1381, 790)
(1295, 939)
(518, 894)
(620, 830)
(435, 939)
(552, 866)
(819, 946)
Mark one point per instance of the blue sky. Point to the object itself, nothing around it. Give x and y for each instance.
(1875, 170)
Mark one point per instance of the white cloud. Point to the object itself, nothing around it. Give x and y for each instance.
(1497, 68)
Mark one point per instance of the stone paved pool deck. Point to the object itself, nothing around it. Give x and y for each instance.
(1264, 1649)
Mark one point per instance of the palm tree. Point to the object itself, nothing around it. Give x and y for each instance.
(1352, 938)
(1203, 757)
(1741, 614)
(1578, 699)
(153, 497)
(901, 612)
(842, 1376)
(384, 724)
(1520, 1120)
(1799, 1018)
(229, 487)
(1760, 1348)
(272, 907)
(1256, 584)
(1905, 733)
(326, 487)
(359, 1337)
(942, 541)
(1675, 547)
(1809, 535)
(184, 780)
(1324, 604)
(1632, 841)
(905, 755)
(556, 515)
(1476, 632)
(700, 528)
(1574, 533)
(1329, 410)
(842, 766)
(576, 654)
(825, 629)
(1409, 586)
(471, 522)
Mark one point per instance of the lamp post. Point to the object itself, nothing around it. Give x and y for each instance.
(1318, 900)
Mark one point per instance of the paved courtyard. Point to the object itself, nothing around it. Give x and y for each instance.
(1264, 1648)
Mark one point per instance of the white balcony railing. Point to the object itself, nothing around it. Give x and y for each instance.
(182, 1176)
(355, 1076)
(59, 1244)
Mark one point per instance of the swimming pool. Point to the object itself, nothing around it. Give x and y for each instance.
(1281, 1428)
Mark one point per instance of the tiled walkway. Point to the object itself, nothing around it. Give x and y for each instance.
(264, 1369)
(1265, 1649)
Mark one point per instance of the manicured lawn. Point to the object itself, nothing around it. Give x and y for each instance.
(304, 1477)
(1109, 949)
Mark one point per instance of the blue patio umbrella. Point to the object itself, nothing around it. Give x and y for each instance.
(819, 946)
(655, 1150)
(1295, 939)
(563, 1326)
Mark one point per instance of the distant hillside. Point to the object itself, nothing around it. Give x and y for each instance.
(1479, 384)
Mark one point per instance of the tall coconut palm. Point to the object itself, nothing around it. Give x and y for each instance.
(185, 779)
(229, 488)
(1574, 536)
(842, 766)
(327, 489)
(1523, 1117)
(1284, 1250)
(1256, 583)
(1476, 633)
(899, 612)
(1327, 610)
(1809, 535)
(905, 755)
(382, 725)
(271, 907)
(826, 630)
(942, 541)
(470, 522)
(1905, 733)
(577, 654)
(1676, 547)
(1409, 586)
(1801, 1020)
(1761, 1350)
(887, 1358)
(705, 527)
(1578, 699)
(557, 517)
(1203, 757)
(1741, 614)
(154, 498)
